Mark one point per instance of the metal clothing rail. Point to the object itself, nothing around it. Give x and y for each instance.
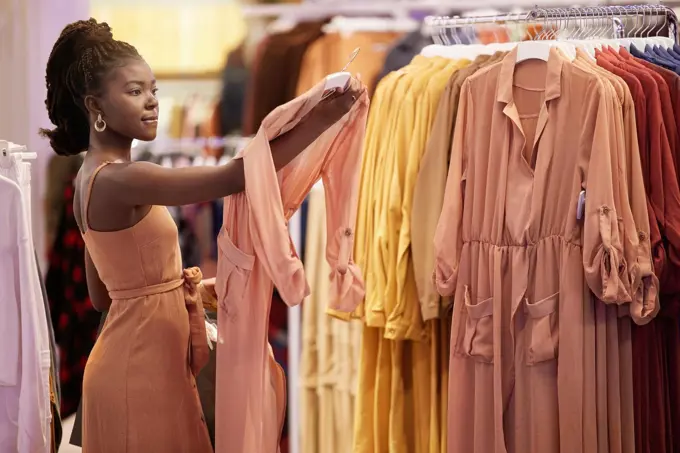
(644, 20)
(401, 7)
(191, 146)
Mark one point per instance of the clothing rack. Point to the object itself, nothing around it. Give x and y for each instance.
(562, 19)
(191, 147)
(7, 148)
(399, 8)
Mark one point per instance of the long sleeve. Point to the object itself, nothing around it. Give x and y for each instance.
(269, 229)
(644, 284)
(341, 184)
(448, 241)
(428, 198)
(603, 258)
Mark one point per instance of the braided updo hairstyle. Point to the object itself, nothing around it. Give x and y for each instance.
(84, 53)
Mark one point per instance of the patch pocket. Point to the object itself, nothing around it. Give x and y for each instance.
(542, 330)
(233, 273)
(478, 337)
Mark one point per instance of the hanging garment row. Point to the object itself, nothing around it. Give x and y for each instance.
(29, 388)
(544, 319)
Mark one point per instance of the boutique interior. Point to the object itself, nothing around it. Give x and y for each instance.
(469, 270)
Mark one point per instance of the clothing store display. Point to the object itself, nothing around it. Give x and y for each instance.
(256, 254)
(481, 256)
(25, 388)
(139, 394)
(487, 159)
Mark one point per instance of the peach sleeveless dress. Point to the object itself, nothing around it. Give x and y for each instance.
(139, 391)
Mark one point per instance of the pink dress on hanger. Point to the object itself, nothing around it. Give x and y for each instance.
(256, 254)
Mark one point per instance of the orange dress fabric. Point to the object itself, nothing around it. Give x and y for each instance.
(520, 262)
(256, 254)
(139, 391)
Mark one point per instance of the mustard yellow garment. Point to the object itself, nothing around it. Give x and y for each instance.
(405, 320)
(386, 239)
(378, 269)
(399, 405)
(365, 421)
(410, 405)
(371, 425)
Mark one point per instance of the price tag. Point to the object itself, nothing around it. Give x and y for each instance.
(581, 205)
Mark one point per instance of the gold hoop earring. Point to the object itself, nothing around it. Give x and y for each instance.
(100, 124)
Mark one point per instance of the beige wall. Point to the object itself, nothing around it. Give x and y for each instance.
(176, 37)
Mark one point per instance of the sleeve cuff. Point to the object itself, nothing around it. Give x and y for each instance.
(347, 288)
(445, 279)
(296, 287)
(645, 305)
(604, 276)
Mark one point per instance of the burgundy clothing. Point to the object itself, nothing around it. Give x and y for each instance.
(656, 345)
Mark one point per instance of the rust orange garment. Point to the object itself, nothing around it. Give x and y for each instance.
(256, 254)
(139, 391)
(520, 263)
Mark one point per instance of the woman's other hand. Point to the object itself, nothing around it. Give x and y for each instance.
(209, 285)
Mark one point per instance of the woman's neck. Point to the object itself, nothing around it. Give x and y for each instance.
(111, 145)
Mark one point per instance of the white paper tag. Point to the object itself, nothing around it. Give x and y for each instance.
(211, 331)
(581, 205)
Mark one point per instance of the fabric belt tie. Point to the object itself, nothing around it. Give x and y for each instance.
(199, 350)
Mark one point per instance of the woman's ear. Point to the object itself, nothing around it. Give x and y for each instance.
(92, 105)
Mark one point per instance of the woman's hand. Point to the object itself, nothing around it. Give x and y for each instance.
(324, 115)
(330, 110)
(209, 285)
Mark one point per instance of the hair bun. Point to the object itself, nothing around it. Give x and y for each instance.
(81, 34)
(63, 143)
(100, 31)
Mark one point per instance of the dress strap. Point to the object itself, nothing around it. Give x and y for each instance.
(88, 194)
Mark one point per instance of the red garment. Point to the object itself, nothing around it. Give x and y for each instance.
(669, 328)
(656, 345)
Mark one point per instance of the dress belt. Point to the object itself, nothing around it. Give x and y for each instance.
(191, 279)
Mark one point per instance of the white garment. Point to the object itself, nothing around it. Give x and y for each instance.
(25, 359)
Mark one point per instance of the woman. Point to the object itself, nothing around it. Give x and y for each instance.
(139, 390)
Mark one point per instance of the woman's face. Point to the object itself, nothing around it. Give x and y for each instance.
(129, 103)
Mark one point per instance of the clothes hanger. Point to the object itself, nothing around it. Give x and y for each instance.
(639, 42)
(539, 49)
(498, 45)
(582, 34)
(340, 80)
(456, 49)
